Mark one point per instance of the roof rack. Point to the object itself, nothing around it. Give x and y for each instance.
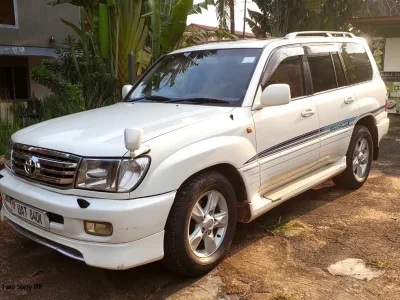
(294, 35)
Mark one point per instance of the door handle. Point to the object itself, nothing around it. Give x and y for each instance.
(308, 113)
(349, 100)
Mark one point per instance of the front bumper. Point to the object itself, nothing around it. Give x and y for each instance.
(138, 224)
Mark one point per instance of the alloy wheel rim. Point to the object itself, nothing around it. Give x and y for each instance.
(208, 224)
(361, 159)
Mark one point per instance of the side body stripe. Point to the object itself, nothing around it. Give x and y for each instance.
(311, 135)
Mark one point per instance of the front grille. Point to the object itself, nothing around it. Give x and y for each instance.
(44, 166)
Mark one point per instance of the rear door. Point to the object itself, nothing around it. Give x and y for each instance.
(287, 135)
(336, 102)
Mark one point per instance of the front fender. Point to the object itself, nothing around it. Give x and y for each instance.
(180, 165)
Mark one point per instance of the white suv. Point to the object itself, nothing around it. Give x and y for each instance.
(208, 136)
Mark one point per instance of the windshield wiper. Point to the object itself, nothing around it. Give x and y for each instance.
(198, 100)
(152, 98)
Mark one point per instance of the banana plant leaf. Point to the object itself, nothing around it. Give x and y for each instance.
(172, 33)
(196, 9)
(104, 30)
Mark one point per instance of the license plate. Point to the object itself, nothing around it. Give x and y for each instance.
(30, 214)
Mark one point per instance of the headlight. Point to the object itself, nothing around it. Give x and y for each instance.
(7, 155)
(112, 175)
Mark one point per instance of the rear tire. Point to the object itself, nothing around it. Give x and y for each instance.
(358, 159)
(201, 224)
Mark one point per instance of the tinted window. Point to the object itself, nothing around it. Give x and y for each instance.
(356, 61)
(322, 73)
(221, 76)
(289, 71)
(341, 79)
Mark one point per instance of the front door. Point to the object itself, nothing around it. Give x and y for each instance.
(287, 135)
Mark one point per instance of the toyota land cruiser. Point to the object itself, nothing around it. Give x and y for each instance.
(208, 136)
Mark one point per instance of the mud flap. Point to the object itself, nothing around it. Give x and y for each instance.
(2, 215)
(244, 212)
(376, 153)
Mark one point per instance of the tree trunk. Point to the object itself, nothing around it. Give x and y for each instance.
(232, 15)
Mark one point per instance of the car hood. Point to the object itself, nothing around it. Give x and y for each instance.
(100, 132)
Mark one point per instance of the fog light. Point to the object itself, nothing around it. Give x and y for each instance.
(98, 228)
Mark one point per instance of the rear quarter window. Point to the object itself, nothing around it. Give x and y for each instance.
(357, 63)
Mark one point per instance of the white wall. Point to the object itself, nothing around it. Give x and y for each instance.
(392, 55)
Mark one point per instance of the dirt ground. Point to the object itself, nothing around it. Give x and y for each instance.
(283, 255)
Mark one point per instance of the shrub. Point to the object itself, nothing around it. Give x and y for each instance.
(8, 126)
(78, 78)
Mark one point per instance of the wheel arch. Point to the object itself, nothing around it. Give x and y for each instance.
(232, 174)
(370, 122)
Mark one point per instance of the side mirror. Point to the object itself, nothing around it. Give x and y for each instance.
(133, 138)
(133, 142)
(125, 90)
(276, 94)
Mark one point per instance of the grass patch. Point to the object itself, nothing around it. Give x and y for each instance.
(280, 225)
(283, 297)
(274, 225)
(378, 263)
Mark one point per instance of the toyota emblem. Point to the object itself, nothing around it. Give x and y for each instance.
(32, 165)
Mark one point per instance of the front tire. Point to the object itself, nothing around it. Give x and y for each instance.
(201, 225)
(358, 159)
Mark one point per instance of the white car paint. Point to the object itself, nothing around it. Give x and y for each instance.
(185, 139)
(100, 132)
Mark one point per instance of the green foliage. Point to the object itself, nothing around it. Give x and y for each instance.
(168, 23)
(201, 5)
(334, 15)
(173, 31)
(104, 30)
(69, 102)
(376, 8)
(119, 28)
(222, 8)
(79, 78)
(281, 17)
(17, 110)
(192, 38)
(129, 32)
(8, 126)
(168, 20)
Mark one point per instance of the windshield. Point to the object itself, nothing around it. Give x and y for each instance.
(214, 77)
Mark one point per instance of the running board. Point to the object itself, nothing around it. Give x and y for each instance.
(261, 204)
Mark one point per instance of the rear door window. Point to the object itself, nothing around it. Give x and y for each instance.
(357, 63)
(322, 72)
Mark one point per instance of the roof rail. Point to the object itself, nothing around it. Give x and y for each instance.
(294, 35)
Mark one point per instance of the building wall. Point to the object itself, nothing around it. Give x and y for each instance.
(37, 22)
(392, 56)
